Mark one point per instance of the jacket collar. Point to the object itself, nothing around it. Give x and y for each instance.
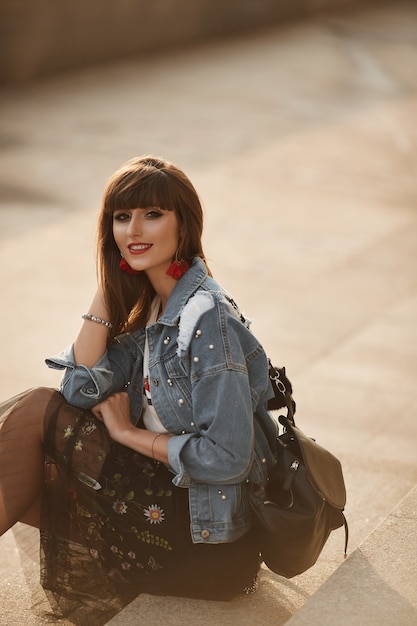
(187, 285)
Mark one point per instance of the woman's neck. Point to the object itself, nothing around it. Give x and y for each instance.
(163, 286)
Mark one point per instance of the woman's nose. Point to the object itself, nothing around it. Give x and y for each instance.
(134, 226)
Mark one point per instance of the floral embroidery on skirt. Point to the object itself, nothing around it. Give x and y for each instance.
(113, 526)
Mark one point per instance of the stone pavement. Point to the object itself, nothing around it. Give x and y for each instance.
(302, 143)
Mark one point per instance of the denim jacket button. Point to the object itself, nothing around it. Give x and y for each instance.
(205, 534)
(180, 401)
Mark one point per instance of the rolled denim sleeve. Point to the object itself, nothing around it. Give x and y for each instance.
(221, 452)
(175, 445)
(83, 386)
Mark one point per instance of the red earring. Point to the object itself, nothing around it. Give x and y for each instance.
(125, 267)
(178, 269)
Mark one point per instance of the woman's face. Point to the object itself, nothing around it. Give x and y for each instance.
(147, 238)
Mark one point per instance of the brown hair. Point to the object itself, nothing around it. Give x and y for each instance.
(140, 183)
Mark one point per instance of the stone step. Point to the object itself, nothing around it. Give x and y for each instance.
(377, 584)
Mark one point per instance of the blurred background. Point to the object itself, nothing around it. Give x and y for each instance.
(295, 120)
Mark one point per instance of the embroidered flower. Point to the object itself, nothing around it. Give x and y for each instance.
(114, 549)
(120, 507)
(82, 511)
(131, 555)
(154, 565)
(68, 431)
(88, 428)
(154, 514)
(78, 445)
(126, 565)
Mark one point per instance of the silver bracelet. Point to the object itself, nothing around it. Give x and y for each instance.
(99, 320)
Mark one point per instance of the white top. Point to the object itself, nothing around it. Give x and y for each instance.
(150, 418)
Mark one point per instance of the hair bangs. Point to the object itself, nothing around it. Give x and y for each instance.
(129, 192)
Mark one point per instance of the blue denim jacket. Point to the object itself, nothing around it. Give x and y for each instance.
(208, 374)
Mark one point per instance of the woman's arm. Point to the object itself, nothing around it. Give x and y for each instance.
(91, 341)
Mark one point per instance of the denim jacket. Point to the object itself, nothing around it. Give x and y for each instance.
(208, 374)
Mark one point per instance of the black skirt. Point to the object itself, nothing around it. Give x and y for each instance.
(113, 526)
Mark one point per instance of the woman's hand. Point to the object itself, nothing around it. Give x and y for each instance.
(115, 413)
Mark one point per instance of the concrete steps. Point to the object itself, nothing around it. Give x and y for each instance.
(377, 584)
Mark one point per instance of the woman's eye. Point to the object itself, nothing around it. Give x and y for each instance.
(121, 217)
(153, 214)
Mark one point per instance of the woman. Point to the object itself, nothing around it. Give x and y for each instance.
(136, 471)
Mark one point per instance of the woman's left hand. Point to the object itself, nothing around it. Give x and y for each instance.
(115, 413)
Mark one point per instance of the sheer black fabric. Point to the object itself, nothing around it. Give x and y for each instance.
(112, 524)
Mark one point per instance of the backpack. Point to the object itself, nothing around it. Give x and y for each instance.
(304, 496)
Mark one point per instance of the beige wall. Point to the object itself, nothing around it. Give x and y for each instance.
(40, 37)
